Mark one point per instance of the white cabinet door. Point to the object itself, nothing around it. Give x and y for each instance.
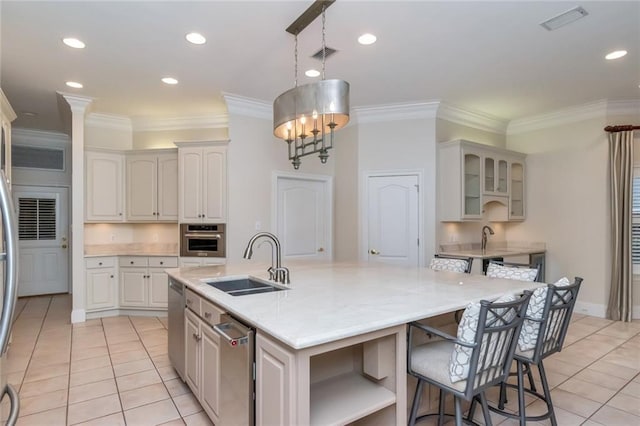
(167, 187)
(133, 287)
(192, 351)
(104, 200)
(158, 288)
(190, 194)
(142, 188)
(101, 288)
(202, 184)
(214, 193)
(210, 379)
(517, 199)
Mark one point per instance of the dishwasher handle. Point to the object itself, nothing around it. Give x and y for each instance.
(235, 334)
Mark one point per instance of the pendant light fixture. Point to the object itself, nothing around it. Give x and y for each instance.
(307, 115)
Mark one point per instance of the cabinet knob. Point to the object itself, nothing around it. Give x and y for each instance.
(162, 263)
(189, 301)
(207, 314)
(119, 214)
(111, 276)
(374, 252)
(131, 262)
(197, 337)
(100, 263)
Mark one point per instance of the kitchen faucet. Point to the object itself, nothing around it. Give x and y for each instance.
(278, 273)
(483, 245)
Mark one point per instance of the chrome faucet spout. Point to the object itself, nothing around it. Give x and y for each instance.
(483, 244)
(276, 272)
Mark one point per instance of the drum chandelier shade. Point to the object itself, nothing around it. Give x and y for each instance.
(306, 116)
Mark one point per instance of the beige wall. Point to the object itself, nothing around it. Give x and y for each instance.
(567, 204)
(166, 138)
(403, 145)
(449, 131)
(124, 233)
(253, 155)
(104, 137)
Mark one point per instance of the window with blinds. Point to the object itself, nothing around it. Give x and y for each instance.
(36, 219)
(635, 227)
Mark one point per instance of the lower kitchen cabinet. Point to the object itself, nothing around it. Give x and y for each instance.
(143, 282)
(202, 356)
(101, 281)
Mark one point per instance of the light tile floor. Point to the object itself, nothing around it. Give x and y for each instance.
(115, 371)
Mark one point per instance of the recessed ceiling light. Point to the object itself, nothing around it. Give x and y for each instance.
(73, 42)
(312, 73)
(196, 38)
(169, 80)
(367, 39)
(74, 84)
(616, 54)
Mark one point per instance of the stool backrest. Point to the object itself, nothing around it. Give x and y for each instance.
(451, 263)
(513, 271)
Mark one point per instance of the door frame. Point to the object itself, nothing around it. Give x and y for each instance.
(364, 202)
(326, 180)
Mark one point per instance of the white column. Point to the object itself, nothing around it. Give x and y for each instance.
(78, 106)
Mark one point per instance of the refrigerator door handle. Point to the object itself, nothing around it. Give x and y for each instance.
(15, 404)
(11, 265)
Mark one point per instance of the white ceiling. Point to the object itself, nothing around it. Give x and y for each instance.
(491, 57)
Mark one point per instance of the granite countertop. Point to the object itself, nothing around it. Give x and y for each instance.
(131, 249)
(331, 301)
(499, 249)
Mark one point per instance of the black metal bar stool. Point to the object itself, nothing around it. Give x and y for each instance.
(542, 334)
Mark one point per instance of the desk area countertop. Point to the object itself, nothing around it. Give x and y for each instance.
(131, 249)
(500, 249)
(331, 301)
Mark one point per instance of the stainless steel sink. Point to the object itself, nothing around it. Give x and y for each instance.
(244, 286)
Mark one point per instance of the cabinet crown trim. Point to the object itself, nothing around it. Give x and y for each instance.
(220, 142)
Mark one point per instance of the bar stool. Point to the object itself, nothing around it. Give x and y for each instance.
(543, 332)
(478, 358)
(513, 271)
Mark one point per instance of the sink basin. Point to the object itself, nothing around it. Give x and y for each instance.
(244, 286)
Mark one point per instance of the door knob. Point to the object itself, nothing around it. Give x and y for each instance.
(320, 250)
(64, 246)
(374, 251)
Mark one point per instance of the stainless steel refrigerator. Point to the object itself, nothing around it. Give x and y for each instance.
(8, 295)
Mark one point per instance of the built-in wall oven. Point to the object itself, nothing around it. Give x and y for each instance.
(202, 240)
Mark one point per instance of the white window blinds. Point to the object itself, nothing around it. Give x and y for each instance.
(37, 219)
(635, 227)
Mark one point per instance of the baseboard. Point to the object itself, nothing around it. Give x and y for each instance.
(78, 315)
(600, 311)
(133, 312)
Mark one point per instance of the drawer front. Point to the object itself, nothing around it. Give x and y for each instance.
(210, 312)
(193, 302)
(100, 262)
(142, 261)
(163, 262)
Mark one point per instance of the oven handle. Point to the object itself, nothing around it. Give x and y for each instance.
(204, 236)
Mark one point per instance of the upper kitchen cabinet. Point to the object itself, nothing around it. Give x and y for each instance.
(202, 182)
(152, 186)
(104, 186)
(479, 182)
(7, 115)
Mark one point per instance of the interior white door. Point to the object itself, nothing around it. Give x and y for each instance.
(303, 217)
(393, 219)
(42, 239)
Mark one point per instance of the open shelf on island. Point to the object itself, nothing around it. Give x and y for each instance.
(346, 398)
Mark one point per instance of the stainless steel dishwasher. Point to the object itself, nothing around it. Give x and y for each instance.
(237, 381)
(175, 315)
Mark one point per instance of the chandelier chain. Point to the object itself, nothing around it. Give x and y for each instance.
(295, 61)
(324, 44)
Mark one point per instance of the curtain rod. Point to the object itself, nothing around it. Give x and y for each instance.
(625, 128)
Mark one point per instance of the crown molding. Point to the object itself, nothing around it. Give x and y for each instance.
(108, 121)
(77, 103)
(249, 107)
(627, 107)
(41, 137)
(6, 108)
(597, 109)
(395, 112)
(208, 121)
(474, 119)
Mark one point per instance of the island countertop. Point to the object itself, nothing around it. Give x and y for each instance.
(330, 301)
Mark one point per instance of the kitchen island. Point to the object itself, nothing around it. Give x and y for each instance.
(332, 348)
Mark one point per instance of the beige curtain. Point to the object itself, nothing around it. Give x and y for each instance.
(620, 306)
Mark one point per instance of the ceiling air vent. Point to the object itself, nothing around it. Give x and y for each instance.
(564, 18)
(327, 52)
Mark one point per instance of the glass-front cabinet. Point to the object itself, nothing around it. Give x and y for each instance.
(516, 201)
(472, 201)
(472, 175)
(495, 176)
